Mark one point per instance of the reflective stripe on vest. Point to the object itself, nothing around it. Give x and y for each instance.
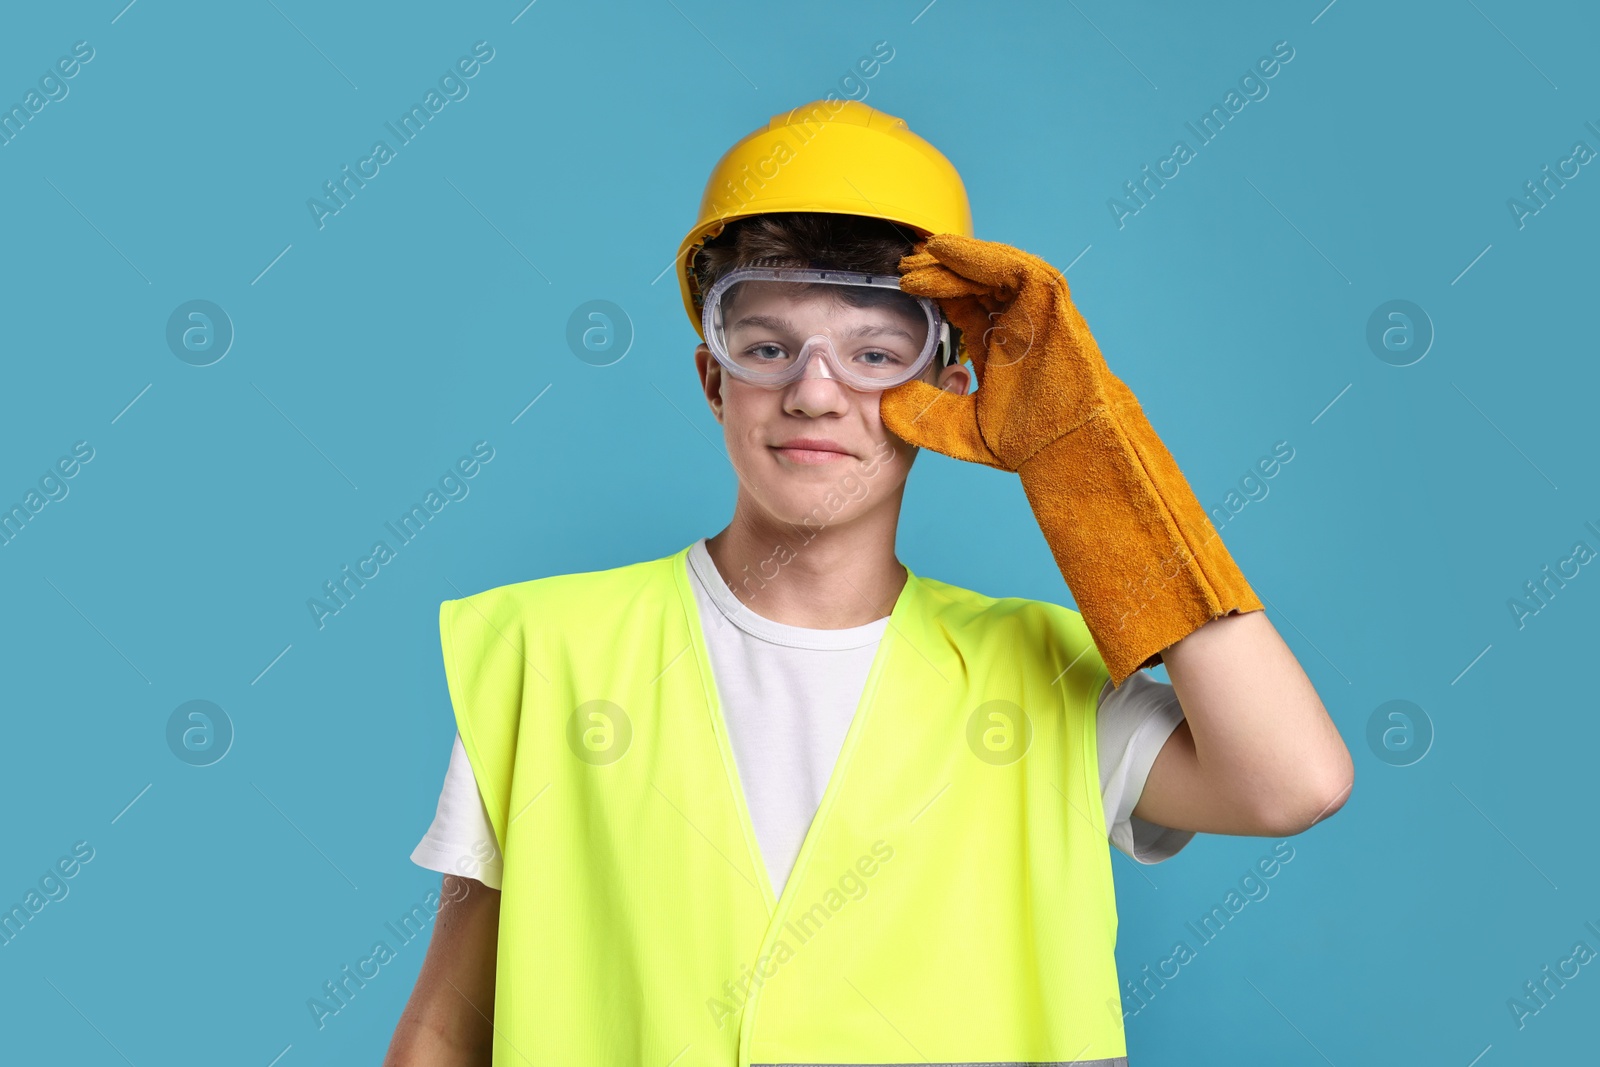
(951, 903)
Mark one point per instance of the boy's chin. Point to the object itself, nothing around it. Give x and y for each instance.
(814, 508)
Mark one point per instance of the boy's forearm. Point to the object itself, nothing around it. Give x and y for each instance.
(449, 1018)
(1269, 759)
(421, 1041)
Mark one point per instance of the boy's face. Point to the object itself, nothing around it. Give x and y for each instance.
(855, 463)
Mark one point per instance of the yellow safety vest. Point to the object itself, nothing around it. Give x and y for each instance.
(952, 902)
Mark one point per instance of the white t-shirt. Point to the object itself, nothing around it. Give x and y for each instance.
(788, 695)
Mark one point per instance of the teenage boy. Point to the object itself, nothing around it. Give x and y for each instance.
(775, 798)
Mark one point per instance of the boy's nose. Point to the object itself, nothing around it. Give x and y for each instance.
(805, 397)
(816, 353)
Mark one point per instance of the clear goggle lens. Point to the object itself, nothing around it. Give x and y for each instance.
(765, 325)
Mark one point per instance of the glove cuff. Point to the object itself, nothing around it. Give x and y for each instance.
(1142, 559)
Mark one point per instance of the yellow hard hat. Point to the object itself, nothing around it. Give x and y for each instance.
(834, 156)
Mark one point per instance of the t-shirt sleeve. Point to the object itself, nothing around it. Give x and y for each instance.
(1131, 726)
(461, 838)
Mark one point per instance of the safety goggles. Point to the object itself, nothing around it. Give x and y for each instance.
(765, 325)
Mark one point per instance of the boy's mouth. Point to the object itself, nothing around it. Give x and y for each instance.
(811, 450)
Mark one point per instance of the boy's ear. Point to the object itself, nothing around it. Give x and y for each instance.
(710, 372)
(957, 378)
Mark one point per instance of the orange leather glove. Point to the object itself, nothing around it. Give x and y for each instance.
(1137, 550)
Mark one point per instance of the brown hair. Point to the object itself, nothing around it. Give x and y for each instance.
(803, 239)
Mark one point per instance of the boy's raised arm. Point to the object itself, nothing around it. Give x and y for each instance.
(1257, 753)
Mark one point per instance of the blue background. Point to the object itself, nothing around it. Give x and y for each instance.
(432, 310)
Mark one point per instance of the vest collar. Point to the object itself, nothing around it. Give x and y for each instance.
(907, 625)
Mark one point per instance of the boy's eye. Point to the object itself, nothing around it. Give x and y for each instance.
(767, 351)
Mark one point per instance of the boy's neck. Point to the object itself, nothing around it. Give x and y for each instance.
(830, 578)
